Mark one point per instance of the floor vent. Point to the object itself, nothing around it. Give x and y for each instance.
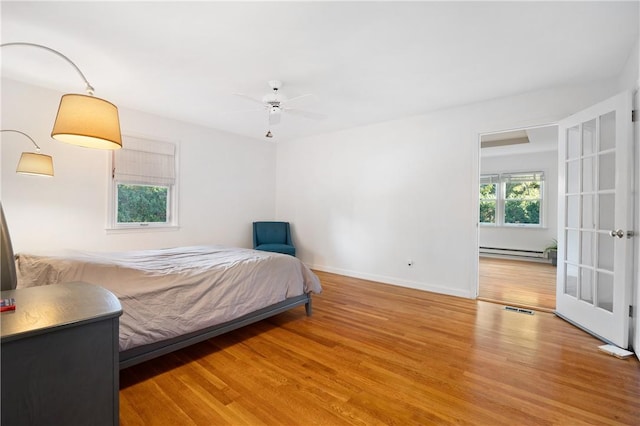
(519, 310)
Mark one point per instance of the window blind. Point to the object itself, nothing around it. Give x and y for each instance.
(489, 179)
(145, 162)
(523, 177)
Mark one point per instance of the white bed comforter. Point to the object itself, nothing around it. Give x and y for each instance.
(170, 292)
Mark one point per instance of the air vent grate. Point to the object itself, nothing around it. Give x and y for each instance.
(519, 310)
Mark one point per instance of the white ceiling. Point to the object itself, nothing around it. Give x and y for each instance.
(542, 138)
(365, 62)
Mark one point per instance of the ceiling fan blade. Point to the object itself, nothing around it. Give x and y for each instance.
(295, 98)
(306, 114)
(249, 98)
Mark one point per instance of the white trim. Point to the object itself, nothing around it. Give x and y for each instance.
(435, 288)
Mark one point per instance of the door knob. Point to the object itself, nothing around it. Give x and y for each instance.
(617, 233)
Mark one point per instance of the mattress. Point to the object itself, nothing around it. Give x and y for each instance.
(170, 292)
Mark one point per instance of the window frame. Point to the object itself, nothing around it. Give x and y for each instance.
(172, 196)
(501, 193)
(168, 207)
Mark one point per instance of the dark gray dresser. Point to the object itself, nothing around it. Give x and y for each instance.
(59, 356)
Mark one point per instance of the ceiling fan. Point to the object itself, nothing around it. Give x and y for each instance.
(275, 103)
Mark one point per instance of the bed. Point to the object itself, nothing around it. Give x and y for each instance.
(176, 297)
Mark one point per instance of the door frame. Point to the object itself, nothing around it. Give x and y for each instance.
(476, 201)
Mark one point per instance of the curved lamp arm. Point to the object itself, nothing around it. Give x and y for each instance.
(90, 88)
(24, 134)
(33, 163)
(83, 120)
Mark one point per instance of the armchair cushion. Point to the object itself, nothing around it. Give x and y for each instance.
(273, 237)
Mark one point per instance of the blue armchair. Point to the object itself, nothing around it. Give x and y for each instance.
(274, 237)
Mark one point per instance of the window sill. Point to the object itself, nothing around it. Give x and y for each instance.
(489, 226)
(139, 229)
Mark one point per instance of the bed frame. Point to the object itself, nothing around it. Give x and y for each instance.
(143, 353)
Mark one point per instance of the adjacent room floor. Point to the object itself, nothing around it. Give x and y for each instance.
(519, 283)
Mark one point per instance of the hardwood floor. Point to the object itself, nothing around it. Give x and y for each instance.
(378, 354)
(517, 282)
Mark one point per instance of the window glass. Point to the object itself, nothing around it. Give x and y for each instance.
(511, 199)
(142, 203)
(488, 202)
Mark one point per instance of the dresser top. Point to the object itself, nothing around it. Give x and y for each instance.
(43, 309)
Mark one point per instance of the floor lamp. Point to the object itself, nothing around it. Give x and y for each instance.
(83, 120)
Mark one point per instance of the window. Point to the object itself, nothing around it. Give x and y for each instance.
(511, 199)
(144, 180)
(488, 198)
(522, 198)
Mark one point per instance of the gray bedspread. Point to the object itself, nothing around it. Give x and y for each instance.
(169, 292)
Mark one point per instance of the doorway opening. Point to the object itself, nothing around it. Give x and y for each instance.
(518, 216)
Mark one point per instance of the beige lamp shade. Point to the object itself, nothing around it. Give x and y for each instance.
(87, 121)
(35, 164)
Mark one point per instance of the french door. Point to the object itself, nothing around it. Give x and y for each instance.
(595, 219)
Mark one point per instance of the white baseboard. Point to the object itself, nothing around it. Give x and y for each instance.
(395, 281)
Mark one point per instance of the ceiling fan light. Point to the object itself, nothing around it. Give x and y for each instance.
(32, 163)
(87, 121)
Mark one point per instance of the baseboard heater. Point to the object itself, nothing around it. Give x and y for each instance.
(528, 254)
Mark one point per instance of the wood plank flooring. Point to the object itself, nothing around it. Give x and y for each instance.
(375, 354)
(518, 282)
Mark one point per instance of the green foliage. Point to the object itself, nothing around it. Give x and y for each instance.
(142, 203)
(522, 190)
(487, 212)
(488, 191)
(552, 246)
(522, 211)
(488, 203)
(522, 203)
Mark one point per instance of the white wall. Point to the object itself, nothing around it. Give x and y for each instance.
(364, 200)
(225, 181)
(525, 238)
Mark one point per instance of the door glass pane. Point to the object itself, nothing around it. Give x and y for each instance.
(606, 212)
(573, 177)
(572, 247)
(587, 212)
(604, 286)
(586, 284)
(573, 212)
(606, 251)
(586, 255)
(608, 131)
(571, 280)
(587, 175)
(589, 137)
(573, 142)
(607, 174)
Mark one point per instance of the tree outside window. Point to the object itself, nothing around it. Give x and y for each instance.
(142, 203)
(522, 203)
(511, 199)
(488, 202)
